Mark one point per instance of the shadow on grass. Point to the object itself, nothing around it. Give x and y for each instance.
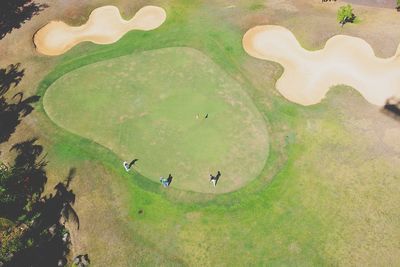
(38, 236)
(10, 76)
(24, 181)
(14, 13)
(34, 233)
(14, 109)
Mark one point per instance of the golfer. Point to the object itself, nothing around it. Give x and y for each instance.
(213, 180)
(126, 166)
(164, 181)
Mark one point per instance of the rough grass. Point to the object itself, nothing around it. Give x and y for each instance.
(327, 196)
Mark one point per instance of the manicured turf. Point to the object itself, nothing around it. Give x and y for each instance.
(153, 105)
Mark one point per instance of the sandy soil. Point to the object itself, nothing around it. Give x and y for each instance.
(105, 26)
(374, 3)
(308, 75)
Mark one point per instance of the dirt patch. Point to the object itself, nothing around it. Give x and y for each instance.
(374, 3)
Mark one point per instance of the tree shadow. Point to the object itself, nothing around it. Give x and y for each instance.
(37, 235)
(12, 111)
(14, 13)
(392, 108)
(45, 227)
(10, 76)
(82, 260)
(25, 179)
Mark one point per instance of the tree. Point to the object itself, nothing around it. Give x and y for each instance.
(345, 14)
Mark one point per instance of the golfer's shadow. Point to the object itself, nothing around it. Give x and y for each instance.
(169, 179)
(12, 109)
(217, 177)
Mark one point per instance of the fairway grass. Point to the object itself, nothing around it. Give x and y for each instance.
(152, 106)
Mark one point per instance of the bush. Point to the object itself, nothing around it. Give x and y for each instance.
(345, 14)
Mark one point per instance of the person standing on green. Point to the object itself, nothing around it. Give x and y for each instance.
(164, 181)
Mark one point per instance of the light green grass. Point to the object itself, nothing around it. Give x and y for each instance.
(152, 106)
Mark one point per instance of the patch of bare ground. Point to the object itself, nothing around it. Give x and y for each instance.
(314, 22)
(374, 3)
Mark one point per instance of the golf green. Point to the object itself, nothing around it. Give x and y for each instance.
(153, 105)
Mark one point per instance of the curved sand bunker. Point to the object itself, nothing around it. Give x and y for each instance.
(308, 75)
(104, 26)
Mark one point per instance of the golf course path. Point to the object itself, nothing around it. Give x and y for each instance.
(308, 75)
(104, 26)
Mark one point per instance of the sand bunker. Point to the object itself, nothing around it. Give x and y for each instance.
(104, 26)
(308, 75)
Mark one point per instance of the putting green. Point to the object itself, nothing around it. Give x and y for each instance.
(145, 106)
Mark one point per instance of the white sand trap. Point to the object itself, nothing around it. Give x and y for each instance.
(308, 75)
(104, 26)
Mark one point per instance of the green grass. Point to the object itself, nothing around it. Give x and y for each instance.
(256, 6)
(323, 198)
(152, 106)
